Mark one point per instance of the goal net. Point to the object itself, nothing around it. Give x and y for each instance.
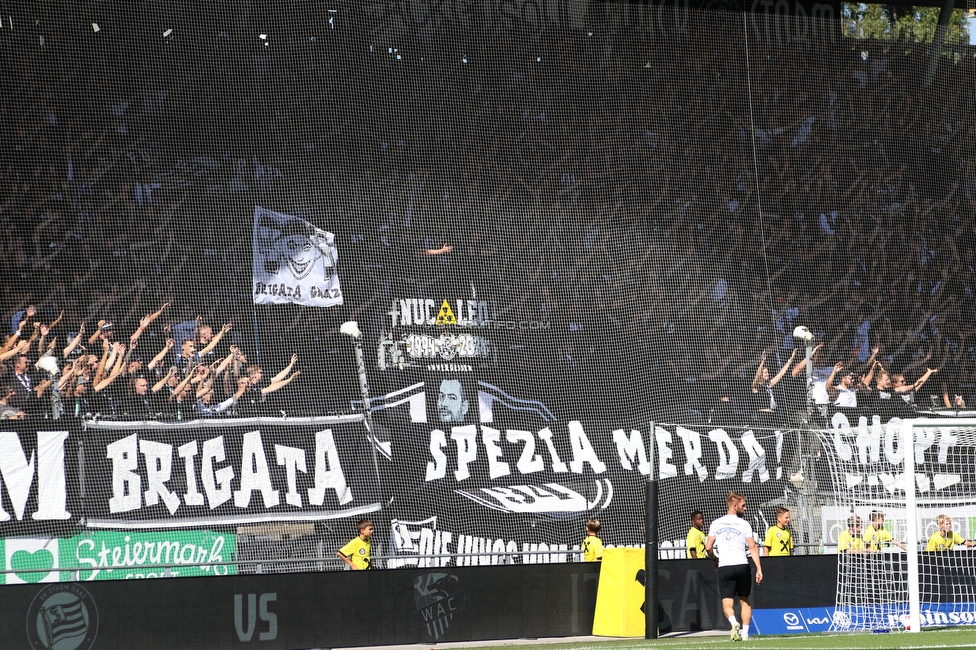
(903, 523)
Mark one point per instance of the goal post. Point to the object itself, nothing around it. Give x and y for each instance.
(905, 522)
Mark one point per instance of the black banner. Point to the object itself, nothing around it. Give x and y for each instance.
(39, 472)
(500, 473)
(521, 477)
(229, 472)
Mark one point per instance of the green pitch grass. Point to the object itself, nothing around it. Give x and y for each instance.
(929, 639)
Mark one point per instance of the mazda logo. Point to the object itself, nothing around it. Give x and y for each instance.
(791, 619)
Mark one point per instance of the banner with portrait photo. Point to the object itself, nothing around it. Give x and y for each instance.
(294, 262)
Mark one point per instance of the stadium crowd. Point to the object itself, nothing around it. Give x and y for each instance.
(98, 376)
(673, 207)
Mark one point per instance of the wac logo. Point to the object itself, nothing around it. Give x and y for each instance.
(438, 597)
(62, 617)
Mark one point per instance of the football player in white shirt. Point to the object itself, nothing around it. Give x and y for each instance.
(728, 538)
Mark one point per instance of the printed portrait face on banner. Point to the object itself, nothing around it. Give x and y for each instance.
(452, 404)
(300, 248)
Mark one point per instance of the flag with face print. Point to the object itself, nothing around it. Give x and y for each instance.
(294, 262)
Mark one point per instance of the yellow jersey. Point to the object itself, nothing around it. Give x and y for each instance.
(696, 541)
(847, 541)
(592, 548)
(939, 543)
(779, 541)
(357, 550)
(877, 539)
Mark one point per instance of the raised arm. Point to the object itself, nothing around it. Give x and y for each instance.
(158, 386)
(206, 382)
(20, 348)
(28, 314)
(832, 390)
(42, 340)
(782, 371)
(868, 378)
(802, 363)
(100, 370)
(66, 377)
(276, 385)
(12, 340)
(284, 373)
(45, 330)
(158, 359)
(757, 379)
(216, 339)
(233, 399)
(34, 334)
(924, 378)
(180, 387)
(75, 342)
(133, 342)
(98, 332)
(907, 388)
(105, 383)
(430, 252)
(57, 320)
(222, 366)
(869, 364)
(146, 321)
(115, 359)
(240, 361)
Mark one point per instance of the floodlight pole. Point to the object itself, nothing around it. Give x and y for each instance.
(351, 329)
(368, 411)
(810, 405)
(650, 548)
(806, 527)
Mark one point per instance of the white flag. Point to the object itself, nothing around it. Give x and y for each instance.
(294, 262)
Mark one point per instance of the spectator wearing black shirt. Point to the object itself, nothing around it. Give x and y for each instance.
(769, 402)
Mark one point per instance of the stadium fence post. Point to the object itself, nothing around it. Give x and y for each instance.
(650, 548)
(911, 514)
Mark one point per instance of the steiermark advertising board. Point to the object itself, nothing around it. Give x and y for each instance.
(112, 555)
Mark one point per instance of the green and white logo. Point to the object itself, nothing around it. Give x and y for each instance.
(115, 555)
(33, 560)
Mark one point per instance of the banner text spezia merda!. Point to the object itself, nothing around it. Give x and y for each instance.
(516, 484)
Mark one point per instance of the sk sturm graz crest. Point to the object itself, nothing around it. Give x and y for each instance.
(62, 617)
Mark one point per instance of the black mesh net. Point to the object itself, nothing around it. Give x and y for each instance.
(553, 224)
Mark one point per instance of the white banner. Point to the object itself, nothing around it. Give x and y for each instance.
(294, 262)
